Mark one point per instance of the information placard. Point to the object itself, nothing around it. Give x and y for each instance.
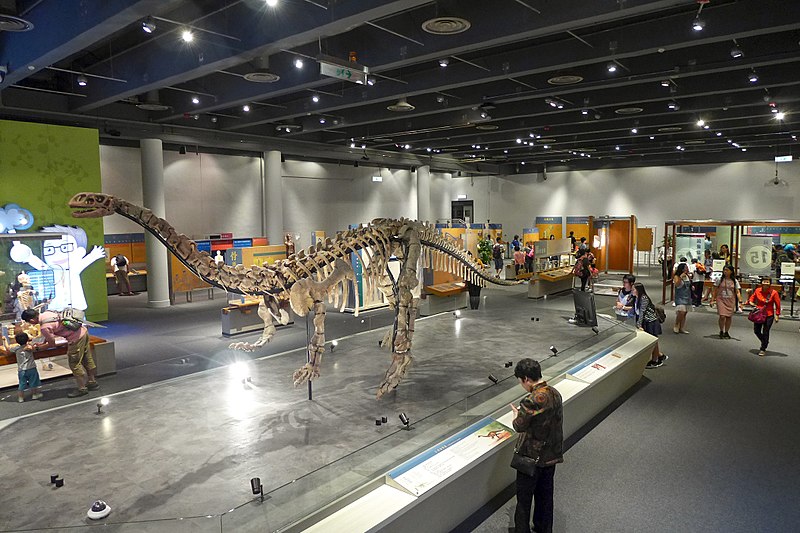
(718, 265)
(756, 258)
(437, 464)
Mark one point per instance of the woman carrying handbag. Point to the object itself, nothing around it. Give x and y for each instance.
(767, 304)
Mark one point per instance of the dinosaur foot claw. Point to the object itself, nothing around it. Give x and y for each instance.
(397, 370)
(305, 373)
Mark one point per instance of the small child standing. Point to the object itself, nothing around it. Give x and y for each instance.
(26, 365)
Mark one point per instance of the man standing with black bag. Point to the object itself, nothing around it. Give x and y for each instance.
(538, 420)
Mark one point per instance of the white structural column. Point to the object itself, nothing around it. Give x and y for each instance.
(273, 197)
(153, 196)
(424, 194)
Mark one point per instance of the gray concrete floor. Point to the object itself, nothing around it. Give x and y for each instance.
(187, 447)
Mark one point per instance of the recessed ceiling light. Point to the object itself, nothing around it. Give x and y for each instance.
(519, 141)
(315, 98)
(719, 134)
(195, 100)
(634, 130)
(246, 108)
(652, 138)
(298, 63)
(616, 148)
(187, 36)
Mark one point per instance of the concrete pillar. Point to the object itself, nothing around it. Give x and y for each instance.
(424, 194)
(153, 196)
(273, 197)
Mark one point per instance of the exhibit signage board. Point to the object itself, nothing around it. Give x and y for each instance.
(690, 247)
(756, 255)
(549, 226)
(435, 465)
(718, 265)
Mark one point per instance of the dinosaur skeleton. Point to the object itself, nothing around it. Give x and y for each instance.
(304, 280)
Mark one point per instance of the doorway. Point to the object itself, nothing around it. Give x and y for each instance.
(462, 209)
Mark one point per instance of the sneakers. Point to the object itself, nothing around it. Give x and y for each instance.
(675, 330)
(20, 400)
(92, 385)
(762, 353)
(727, 336)
(663, 357)
(654, 364)
(77, 392)
(37, 396)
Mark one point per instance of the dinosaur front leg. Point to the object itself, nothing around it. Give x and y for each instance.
(316, 348)
(404, 318)
(266, 334)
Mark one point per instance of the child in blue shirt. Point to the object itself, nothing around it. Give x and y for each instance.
(26, 367)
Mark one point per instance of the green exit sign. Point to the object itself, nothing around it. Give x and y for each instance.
(341, 72)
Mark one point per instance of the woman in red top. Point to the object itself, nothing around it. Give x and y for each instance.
(764, 297)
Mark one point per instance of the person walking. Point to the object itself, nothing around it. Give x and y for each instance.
(497, 255)
(727, 295)
(78, 352)
(624, 308)
(539, 422)
(647, 321)
(683, 303)
(766, 299)
(708, 265)
(583, 267)
(698, 273)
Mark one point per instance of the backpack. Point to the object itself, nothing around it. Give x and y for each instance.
(120, 260)
(497, 251)
(66, 319)
(660, 313)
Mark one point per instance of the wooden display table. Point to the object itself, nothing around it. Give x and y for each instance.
(443, 297)
(242, 317)
(52, 362)
(550, 282)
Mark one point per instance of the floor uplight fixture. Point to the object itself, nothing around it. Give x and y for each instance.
(554, 350)
(404, 420)
(256, 487)
(493, 379)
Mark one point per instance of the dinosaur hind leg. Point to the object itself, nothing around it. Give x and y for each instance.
(266, 334)
(310, 371)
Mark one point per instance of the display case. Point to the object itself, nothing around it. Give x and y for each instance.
(552, 268)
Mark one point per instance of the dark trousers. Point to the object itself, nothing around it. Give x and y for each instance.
(537, 490)
(697, 293)
(517, 266)
(762, 331)
(584, 279)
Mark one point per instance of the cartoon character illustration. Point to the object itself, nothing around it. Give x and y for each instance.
(66, 256)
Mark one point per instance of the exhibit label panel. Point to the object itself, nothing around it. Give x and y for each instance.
(434, 466)
(549, 226)
(756, 255)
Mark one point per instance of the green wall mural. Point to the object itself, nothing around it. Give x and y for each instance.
(41, 167)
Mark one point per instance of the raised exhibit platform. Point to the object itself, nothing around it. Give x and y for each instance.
(196, 441)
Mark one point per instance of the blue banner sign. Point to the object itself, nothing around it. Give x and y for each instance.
(577, 220)
(548, 220)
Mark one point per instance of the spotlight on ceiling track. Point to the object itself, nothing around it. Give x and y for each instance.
(673, 106)
(611, 67)
(82, 81)
(443, 62)
(665, 83)
(195, 100)
(187, 36)
(370, 81)
(780, 115)
(736, 53)
(315, 98)
(698, 24)
(701, 123)
(298, 63)
(272, 3)
(752, 77)
(584, 112)
(148, 25)
(246, 108)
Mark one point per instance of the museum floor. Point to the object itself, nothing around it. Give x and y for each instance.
(704, 443)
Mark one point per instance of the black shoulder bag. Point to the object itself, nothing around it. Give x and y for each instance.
(523, 463)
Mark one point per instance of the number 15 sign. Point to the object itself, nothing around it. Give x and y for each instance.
(756, 258)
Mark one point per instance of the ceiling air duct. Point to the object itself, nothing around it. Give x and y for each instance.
(9, 21)
(402, 106)
(261, 74)
(151, 103)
